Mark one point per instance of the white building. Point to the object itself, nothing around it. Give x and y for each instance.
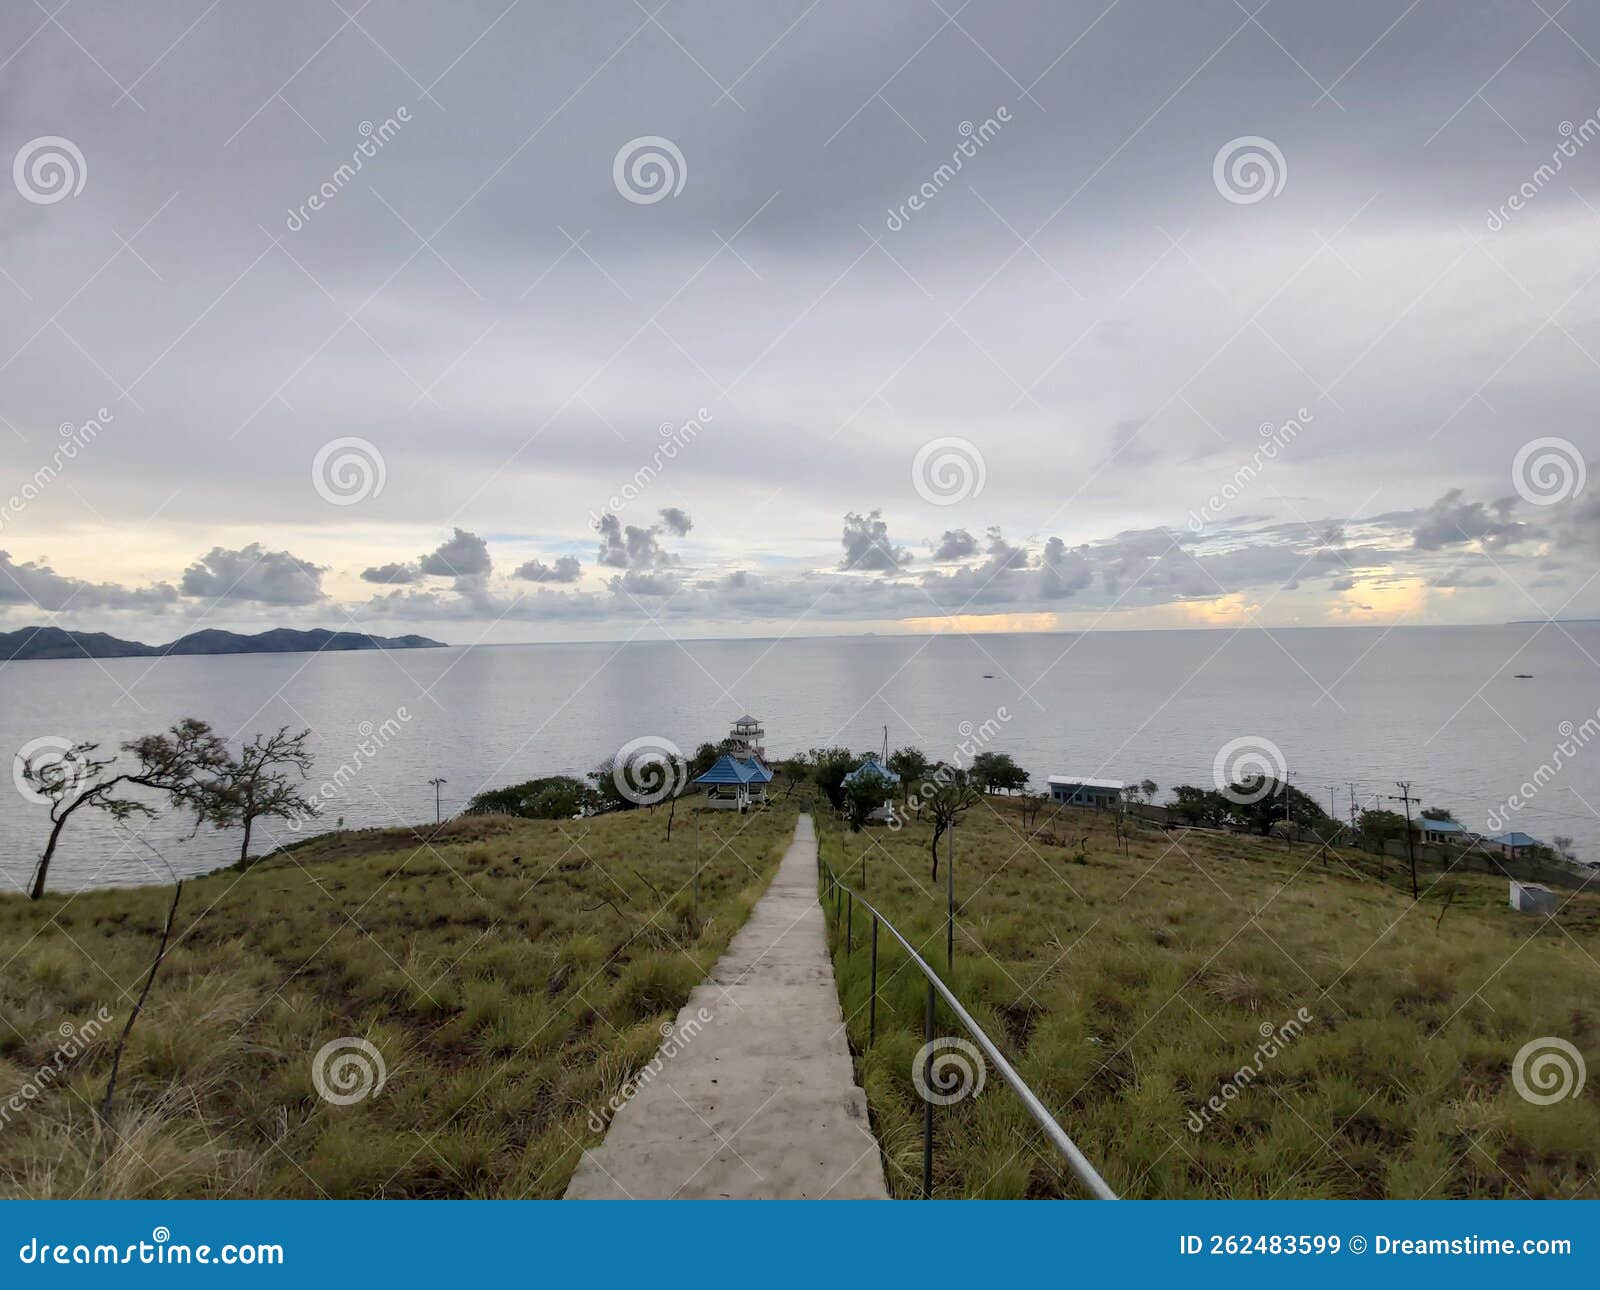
(1080, 790)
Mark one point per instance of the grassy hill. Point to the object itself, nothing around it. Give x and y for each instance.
(510, 975)
(1129, 989)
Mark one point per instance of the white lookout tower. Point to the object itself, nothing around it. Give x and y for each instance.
(745, 739)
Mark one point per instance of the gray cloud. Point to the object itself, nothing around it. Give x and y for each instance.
(956, 544)
(565, 569)
(253, 573)
(676, 520)
(37, 586)
(392, 574)
(630, 547)
(867, 546)
(1450, 521)
(465, 555)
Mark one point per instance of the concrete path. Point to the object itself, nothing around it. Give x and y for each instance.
(755, 1096)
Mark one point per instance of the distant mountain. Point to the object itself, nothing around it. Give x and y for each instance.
(54, 642)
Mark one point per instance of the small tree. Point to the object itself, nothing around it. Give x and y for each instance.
(262, 783)
(1148, 789)
(863, 795)
(1200, 806)
(910, 764)
(1382, 825)
(792, 770)
(178, 762)
(1259, 801)
(829, 766)
(997, 771)
(551, 797)
(946, 802)
(606, 795)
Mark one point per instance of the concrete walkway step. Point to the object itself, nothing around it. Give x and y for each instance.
(755, 1095)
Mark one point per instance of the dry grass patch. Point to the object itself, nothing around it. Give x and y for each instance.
(512, 974)
(1130, 988)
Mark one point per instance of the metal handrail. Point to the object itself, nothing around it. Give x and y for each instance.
(1079, 1163)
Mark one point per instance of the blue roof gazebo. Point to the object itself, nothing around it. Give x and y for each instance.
(872, 768)
(733, 783)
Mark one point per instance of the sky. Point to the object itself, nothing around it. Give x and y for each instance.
(508, 321)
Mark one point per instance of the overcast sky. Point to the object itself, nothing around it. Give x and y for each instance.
(519, 321)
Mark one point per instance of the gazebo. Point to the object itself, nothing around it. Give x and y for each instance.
(735, 783)
(875, 769)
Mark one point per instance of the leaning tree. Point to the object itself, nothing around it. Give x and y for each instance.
(179, 762)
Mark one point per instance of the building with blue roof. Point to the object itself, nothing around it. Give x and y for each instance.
(1514, 844)
(1441, 832)
(872, 768)
(738, 779)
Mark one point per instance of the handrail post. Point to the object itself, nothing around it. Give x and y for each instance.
(927, 1103)
(872, 1005)
(950, 900)
(849, 922)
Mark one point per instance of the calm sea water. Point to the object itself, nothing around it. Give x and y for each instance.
(1441, 707)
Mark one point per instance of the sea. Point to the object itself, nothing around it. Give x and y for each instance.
(1472, 718)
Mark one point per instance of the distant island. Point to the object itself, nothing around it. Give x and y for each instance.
(55, 642)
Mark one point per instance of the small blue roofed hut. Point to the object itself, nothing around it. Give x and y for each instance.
(734, 783)
(872, 768)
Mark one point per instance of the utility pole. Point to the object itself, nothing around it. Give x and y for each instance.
(1288, 807)
(438, 816)
(1411, 848)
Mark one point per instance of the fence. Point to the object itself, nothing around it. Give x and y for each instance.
(831, 888)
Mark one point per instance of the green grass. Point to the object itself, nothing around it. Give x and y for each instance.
(1127, 988)
(511, 973)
